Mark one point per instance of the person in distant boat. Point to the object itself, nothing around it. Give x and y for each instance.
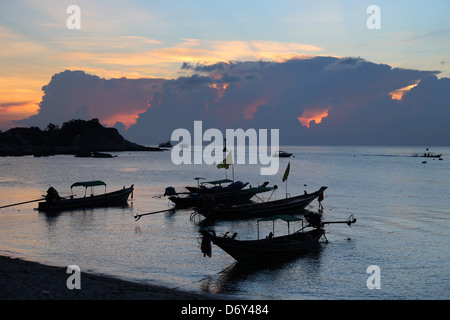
(52, 195)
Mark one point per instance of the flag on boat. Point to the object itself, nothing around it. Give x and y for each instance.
(286, 173)
(226, 162)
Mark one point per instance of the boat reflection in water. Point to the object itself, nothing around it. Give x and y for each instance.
(232, 280)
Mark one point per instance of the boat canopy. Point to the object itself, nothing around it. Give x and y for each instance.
(261, 189)
(218, 181)
(285, 217)
(88, 184)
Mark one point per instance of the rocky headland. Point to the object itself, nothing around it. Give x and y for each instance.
(77, 137)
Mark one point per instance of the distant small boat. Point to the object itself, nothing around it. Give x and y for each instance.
(431, 155)
(166, 144)
(101, 155)
(54, 202)
(84, 154)
(282, 154)
(95, 154)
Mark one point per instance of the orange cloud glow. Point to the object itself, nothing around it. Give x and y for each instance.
(251, 109)
(11, 111)
(127, 119)
(220, 87)
(229, 113)
(189, 50)
(19, 98)
(398, 94)
(313, 114)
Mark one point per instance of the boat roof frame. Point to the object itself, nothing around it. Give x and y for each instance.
(285, 217)
(86, 184)
(219, 182)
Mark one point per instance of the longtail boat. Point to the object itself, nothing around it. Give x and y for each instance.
(216, 186)
(53, 202)
(271, 248)
(288, 205)
(229, 196)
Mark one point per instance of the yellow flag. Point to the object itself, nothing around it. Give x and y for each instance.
(226, 162)
(286, 173)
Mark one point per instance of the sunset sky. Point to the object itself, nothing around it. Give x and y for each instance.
(153, 39)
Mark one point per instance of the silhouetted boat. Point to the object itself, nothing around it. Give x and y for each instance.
(216, 186)
(166, 144)
(209, 200)
(84, 154)
(431, 155)
(101, 155)
(271, 248)
(55, 203)
(283, 154)
(291, 205)
(95, 154)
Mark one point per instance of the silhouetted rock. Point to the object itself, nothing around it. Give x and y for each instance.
(78, 137)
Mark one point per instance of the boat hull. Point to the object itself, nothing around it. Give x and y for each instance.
(214, 190)
(235, 196)
(193, 199)
(291, 205)
(432, 156)
(110, 199)
(269, 249)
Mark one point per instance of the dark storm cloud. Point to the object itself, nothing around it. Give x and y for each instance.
(352, 96)
(356, 93)
(77, 95)
(188, 83)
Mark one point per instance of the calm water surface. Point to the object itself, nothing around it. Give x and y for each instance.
(402, 207)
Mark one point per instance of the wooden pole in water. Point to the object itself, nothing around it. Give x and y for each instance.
(258, 229)
(138, 216)
(16, 204)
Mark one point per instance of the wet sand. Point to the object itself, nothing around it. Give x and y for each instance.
(25, 280)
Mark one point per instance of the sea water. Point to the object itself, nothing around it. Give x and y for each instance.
(401, 205)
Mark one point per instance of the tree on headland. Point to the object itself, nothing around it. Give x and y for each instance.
(52, 127)
(73, 136)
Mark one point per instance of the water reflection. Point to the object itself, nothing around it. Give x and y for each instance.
(409, 228)
(12, 195)
(52, 215)
(233, 280)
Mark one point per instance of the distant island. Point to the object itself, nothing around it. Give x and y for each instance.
(74, 137)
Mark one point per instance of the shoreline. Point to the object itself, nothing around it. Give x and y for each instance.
(26, 280)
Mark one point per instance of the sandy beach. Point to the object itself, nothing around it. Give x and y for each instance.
(25, 280)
